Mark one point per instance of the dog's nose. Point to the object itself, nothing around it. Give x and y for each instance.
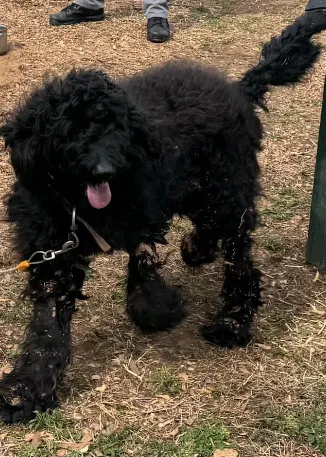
(104, 169)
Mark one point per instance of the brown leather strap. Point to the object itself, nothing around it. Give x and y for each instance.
(99, 240)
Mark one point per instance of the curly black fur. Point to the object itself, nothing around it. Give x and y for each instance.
(177, 139)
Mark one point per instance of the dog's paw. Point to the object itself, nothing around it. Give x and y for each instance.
(81, 296)
(153, 306)
(227, 332)
(194, 255)
(18, 401)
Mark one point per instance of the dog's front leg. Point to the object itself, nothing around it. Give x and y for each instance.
(151, 304)
(46, 351)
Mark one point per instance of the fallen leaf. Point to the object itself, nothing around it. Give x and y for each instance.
(37, 440)
(3, 436)
(131, 372)
(189, 421)
(9, 332)
(87, 436)
(165, 397)
(244, 370)
(47, 436)
(316, 278)
(34, 438)
(101, 388)
(81, 447)
(133, 367)
(73, 446)
(62, 453)
(183, 377)
(174, 432)
(320, 312)
(29, 436)
(225, 453)
(263, 346)
(164, 424)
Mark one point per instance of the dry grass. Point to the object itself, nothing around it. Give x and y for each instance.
(173, 395)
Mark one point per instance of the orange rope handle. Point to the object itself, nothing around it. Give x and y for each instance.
(23, 266)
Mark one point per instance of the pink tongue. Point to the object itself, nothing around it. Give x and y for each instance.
(99, 196)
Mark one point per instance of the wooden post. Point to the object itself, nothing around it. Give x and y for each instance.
(316, 247)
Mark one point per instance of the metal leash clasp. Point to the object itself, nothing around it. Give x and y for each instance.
(71, 243)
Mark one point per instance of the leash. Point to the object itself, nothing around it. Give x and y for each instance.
(39, 257)
(106, 248)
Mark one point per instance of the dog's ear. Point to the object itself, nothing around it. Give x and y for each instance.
(21, 137)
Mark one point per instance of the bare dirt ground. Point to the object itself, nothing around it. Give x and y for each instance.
(172, 394)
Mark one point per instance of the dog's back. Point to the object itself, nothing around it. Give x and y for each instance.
(193, 105)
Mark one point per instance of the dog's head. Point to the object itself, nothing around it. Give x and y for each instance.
(78, 134)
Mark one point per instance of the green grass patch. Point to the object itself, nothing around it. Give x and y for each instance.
(55, 424)
(17, 313)
(167, 383)
(285, 205)
(110, 445)
(113, 444)
(161, 448)
(203, 440)
(119, 293)
(308, 427)
(274, 244)
(200, 441)
(201, 12)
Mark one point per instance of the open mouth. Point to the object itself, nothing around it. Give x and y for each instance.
(99, 195)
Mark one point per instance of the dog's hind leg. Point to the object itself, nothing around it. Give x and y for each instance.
(151, 304)
(45, 353)
(241, 292)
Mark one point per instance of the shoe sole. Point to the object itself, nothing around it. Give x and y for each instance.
(157, 40)
(78, 21)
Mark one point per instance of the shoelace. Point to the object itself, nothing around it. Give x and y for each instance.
(71, 7)
(159, 21)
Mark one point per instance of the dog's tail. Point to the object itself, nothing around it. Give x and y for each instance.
(286, 59)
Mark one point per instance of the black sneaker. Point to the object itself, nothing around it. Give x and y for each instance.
(158, 29)
(74, 14)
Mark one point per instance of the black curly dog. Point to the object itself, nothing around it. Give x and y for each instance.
(178, 139)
